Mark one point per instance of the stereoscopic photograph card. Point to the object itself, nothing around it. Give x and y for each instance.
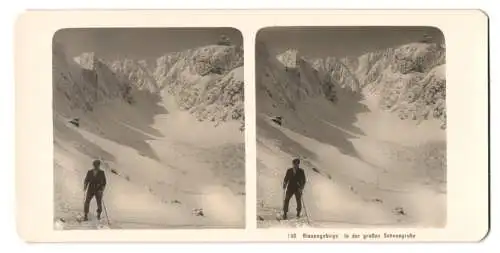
(252, 125)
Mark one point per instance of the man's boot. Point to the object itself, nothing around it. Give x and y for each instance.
(85, 218)
(99, 216)
(284, 216)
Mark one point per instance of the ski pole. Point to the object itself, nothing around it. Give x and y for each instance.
(283, 202)
(283, 195)
(84, 199)
(105, 212)
(282, 212)
(305, 209)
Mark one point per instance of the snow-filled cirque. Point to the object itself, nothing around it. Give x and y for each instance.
(369, 130)
(169, 134)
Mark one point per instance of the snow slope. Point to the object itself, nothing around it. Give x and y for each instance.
(163, 163)
(364, 165)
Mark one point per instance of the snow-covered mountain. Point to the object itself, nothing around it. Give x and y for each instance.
(365, 166)
(207, 81)
(169, 135)
(408, 80)
(194, 78)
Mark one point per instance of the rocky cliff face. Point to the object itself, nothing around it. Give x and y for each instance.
(207, 81)
(410, 80)
(336, 72)
(83, 83)
(286, 79)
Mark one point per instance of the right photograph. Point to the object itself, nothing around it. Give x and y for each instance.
(351, 127)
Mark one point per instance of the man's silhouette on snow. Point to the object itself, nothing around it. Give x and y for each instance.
(294, 182)
(94, 185)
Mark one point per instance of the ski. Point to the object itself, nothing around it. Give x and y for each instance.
(93, 222)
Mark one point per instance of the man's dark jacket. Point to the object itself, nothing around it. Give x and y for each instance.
(95, 182)
(294, 181)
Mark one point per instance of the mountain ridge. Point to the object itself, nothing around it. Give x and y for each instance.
(408, 80)
(186, 76)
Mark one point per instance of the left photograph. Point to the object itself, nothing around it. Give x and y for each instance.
(148, 128)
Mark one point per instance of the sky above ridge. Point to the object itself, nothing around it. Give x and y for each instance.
(342, 41)
(139, 43)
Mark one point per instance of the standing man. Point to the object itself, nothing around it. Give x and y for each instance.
(294, 182)
(94, 185)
